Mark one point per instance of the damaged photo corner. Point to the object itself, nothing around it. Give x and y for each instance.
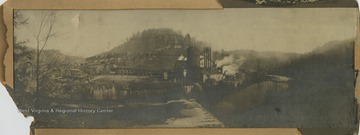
(12, 122)
(28, 120)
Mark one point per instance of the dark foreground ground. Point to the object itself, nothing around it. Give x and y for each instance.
(174, 113)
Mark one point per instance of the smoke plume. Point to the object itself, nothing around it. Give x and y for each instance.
(230, 65)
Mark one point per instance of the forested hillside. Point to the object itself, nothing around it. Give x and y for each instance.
(331, 64)
(152, 41)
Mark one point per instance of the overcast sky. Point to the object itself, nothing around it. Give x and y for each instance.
(89, 32)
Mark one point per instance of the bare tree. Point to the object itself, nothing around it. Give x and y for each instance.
(52, 61)
(42, 36)
(19, 19)
(21, 53)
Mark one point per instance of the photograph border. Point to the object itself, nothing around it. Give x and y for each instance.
(6, 57)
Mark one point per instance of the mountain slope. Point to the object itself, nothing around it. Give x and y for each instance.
(329, 64)
(151, 49)
(151, 41)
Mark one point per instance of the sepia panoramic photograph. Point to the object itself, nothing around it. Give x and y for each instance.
(230, 68)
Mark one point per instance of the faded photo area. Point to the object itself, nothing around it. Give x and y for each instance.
(186, 68)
